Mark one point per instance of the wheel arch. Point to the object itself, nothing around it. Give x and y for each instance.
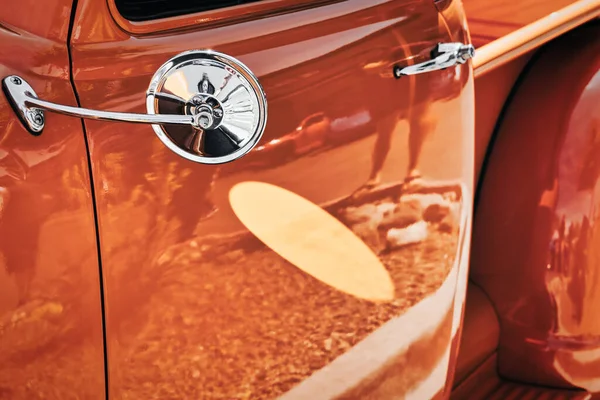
(524, 207)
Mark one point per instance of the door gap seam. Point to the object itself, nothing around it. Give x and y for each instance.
(93, 193)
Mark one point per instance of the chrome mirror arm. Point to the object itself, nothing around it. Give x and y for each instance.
(31, 109)
(217, 103)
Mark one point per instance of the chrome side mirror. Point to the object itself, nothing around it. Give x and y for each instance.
(206, 106)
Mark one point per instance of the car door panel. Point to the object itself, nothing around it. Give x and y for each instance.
(322, 273)
(51, 340)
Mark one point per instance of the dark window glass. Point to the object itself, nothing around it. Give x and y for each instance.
(144, 10)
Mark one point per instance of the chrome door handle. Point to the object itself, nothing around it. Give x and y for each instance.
(213, 94)
(444, 55)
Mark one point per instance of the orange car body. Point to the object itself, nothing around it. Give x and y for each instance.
(333, 260)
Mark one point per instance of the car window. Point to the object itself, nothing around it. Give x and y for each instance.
(146, 10)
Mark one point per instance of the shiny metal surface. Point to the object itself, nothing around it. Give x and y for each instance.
(223, 97)
(20, 93)
(17, 91)
(222, 104)
(444, 55)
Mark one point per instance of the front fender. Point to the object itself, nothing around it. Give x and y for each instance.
(536, 246)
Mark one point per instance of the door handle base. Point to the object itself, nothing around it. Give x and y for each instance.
(17, 90)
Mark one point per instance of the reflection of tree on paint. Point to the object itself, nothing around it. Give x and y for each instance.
(201, 188)
(30, 208)
(165, 203)
(27, 211)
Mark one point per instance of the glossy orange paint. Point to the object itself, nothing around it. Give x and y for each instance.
(196, 304)
(535, 240)
(480, 334)
(491, 94)
(51, 344)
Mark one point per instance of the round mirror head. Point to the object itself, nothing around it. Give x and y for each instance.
(223, 96)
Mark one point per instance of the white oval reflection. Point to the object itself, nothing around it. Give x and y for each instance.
(311, 239)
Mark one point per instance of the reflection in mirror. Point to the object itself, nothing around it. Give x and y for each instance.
(223, 96)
